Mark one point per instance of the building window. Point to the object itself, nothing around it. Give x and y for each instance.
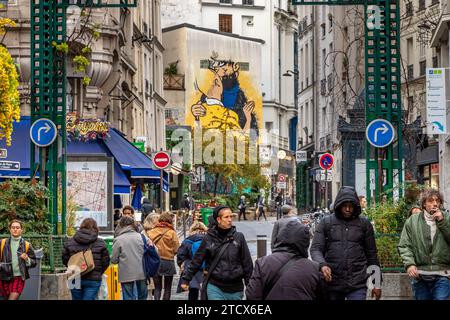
(421, 5)
(435, 62)
(410, 72)
(423, 66)
(410, 103)
(323, 29)
(248, 2)
(226, 1)
(323, 87)
(330, 20)
(226, 23)
(409, 9)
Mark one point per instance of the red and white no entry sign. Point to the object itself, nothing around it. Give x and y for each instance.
(281, 178)
(161, 160)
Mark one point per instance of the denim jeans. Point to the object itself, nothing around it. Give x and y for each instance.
(215, 293)
(88, 291)
(359, 294)
(135, 290)
(438, 289)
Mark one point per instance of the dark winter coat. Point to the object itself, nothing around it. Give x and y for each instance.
(234, 266)
(147, 208)
(184, 255)
(83, 240)
(347, 246)
(302, 280)
(7, 258)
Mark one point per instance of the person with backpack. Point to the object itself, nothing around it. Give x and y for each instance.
(16, 258)
(86, 238)
(287, 274)
(166, 240)
(228, 263)
(186, 253)
(344, 246)
(128, 252)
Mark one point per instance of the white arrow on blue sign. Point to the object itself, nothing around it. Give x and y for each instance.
(380, 133)
(43, 132)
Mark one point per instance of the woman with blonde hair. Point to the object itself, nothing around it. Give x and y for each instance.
(151, 221)
(186, 253)
(165, 238)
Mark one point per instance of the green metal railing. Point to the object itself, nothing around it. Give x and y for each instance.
(52, 246)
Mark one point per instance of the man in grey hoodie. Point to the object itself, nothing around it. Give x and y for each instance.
(128, 252)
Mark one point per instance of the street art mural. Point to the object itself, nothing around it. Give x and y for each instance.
(225, 98)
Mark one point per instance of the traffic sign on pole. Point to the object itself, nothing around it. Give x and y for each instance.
(380, 133)
(326, 161)
(43, 132)
(281, 178)
(161, 160)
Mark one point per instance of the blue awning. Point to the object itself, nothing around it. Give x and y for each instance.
(131, 158)
(20, 152)
(130, 162)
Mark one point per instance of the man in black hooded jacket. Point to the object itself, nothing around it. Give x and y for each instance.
(234, 266)
(344, 246)
(299, 280)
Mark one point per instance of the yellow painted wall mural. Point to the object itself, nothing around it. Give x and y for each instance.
(225, 98)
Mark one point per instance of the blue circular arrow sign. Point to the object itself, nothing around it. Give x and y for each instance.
(43, 132)
(380, 133)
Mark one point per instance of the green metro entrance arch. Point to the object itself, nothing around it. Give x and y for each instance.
(382, 90)
(48, 93)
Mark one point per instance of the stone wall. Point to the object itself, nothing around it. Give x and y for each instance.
(54, 287)
(395, 286)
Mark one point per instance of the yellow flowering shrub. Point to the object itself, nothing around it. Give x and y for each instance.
(9, 93)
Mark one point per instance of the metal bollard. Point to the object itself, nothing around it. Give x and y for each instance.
(261, 245)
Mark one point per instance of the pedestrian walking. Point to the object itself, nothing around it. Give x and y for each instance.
(87, 238)
(260, 208)
(186, 253)
(425, 248)
(227, 259)
(129, 212)
(128, 252)
(242, 207)
(150, 222)
(117, 216)
(288, 214)
(287, 274)
(147, 208)
(278, 203)
(165, 238)
(344, 246)
(16, 258)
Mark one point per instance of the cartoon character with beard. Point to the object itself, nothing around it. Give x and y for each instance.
(225, 105)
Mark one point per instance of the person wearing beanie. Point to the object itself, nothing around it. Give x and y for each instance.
(288, 213)
(227, 261)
